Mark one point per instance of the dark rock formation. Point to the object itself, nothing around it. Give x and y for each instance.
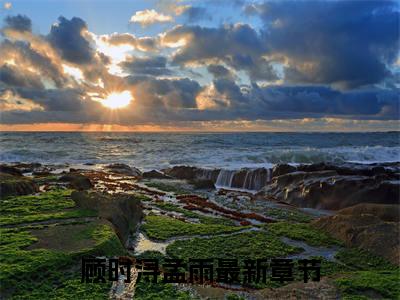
(10, 170)
(191, 173)
(27, 167)
(182, 172)
(123, 211)
(282, 169)
(16, 185)
(352, 168)
(366, 231)
(77, 181)
(251, 179)
(154, 174)
(327, 189)
(123, 169)
(202, 183)
(42, 171)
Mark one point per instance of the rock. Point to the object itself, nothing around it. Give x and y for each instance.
(385, 212)
(329, 190)
(27, 167)
(42, 171)
(16, 185)
(122, 210)
(365, 231)
(124, 170)
(202, 183)
(250, 179)
(155, 175)
(77, 181)
(282, 169)
(191, 173)
(181, 172)
(352, 169)
(10, 170)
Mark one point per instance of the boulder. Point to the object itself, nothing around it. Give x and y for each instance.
(122, 210)
(282, 169)
(154, 174)
(10, 170)
(124, 169)
(181, 172)
(16, 185)
(27, 167)
(366, 231)
(42, 171)
(77, 181)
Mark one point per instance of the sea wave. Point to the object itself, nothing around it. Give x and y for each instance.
(228, 151)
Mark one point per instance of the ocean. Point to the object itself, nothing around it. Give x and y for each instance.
(229, 151)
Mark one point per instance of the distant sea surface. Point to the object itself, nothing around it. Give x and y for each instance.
(210, 150)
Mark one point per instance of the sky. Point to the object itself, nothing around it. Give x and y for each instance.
(206, 65)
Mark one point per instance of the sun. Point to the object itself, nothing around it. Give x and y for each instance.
(117, 100)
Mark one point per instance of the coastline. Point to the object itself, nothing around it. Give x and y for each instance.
(325, 210)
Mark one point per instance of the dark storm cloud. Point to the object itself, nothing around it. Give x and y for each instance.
(69, 100)
(155, 66)
(66, 36)
(219, 71)
(348, 43)
(229, 89)
(343, 43)
(164, 93)
(18, 22)
(195, 14)
(12, 76)
(306, 100)
(26, 56)
(208, 43)
(237, 45)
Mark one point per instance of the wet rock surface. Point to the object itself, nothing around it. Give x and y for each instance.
(10, 170)
(124, 170)
(155, 174)
(16, 185)
(77, 181)
(317, 186)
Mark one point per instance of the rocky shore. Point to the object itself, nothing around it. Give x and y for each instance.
(346, 214)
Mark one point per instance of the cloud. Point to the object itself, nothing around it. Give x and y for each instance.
(25, 59)
(12, 76)
(219, 71)
(160, 95)
(344, 43)
(67, 37)
(150, 16)
(155, 66)
(238, 46)
(141, 43)
(296, 66)
(18, 22)
(193, 13)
